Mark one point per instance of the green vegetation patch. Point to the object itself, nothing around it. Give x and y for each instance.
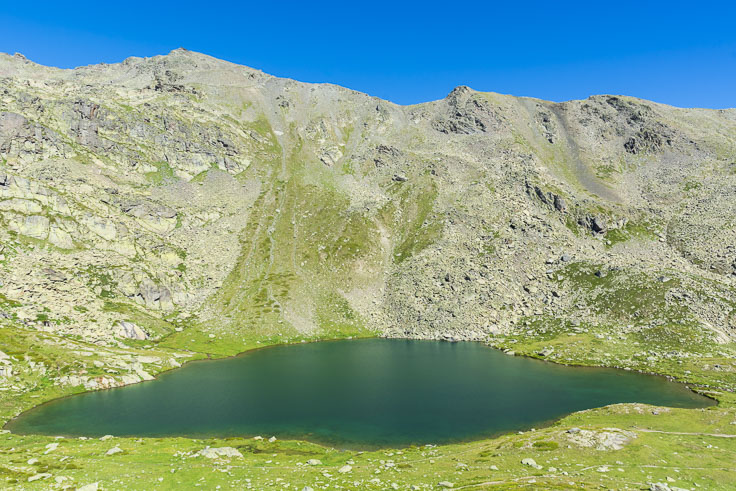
(162, 174)
(411, 210)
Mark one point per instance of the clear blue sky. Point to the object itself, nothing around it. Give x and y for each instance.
(680, 53)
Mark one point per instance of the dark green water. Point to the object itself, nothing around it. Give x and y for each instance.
(364, 393)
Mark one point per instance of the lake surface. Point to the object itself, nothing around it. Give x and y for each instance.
(358, 394)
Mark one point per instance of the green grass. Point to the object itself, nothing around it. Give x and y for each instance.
(630, 231)
(417, 226)
(619, 294)
(650, 457)
(162, 174)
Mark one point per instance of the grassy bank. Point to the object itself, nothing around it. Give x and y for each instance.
(624, 446)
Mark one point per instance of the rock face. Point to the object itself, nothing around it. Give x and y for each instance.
(182, 191)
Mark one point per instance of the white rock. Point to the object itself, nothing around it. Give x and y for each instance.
(345, 469)
(114, 450)
(129, 330)
(531, 463)
(213, 453)
(36, 477)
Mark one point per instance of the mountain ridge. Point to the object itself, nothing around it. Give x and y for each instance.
(19, 57)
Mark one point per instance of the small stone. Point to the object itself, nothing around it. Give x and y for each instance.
(345, 469)
(314, 462)
(445, 484)
(272, 439)
(89, 487)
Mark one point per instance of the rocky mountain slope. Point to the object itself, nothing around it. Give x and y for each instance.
(180, 206)
(184, 188)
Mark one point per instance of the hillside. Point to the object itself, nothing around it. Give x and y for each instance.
(180, 206)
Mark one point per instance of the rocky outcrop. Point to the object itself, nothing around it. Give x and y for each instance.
(129, 330)
(6, 366)
(466, 114)
(607, 439)
(153, 216)
(219, 452)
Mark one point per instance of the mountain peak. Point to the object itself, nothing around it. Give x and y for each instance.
(460, 90)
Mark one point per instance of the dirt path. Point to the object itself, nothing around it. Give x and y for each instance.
(718, 435)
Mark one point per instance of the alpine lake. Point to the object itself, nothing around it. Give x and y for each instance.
(368, 393)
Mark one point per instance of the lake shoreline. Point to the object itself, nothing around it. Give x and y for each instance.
(10, 424)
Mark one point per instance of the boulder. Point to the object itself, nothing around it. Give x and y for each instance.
(154, 296)
(531, 463)
(128, 330)
(114, 450)
(36, 477)
(35, 226)
(153, 216)
(608, 439)
(217, 452)
(60, 238)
